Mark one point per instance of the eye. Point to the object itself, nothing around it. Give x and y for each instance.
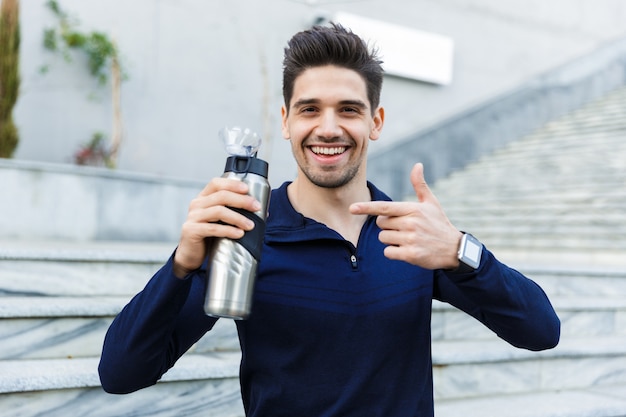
(308, 109)
(351, 110)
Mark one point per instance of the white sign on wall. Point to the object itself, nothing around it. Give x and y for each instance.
(406, 52)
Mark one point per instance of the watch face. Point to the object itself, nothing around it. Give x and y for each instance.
(471, 251)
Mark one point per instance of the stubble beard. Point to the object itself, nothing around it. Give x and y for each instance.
(329, 177)
(330, 180)
(332, 177)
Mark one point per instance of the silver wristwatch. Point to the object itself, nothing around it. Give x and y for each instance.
(470, 251)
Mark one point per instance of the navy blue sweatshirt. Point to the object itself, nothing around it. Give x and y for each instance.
(335, 330)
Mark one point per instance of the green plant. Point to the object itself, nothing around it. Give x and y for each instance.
(9, 75)
(102, 60)
(99, 49)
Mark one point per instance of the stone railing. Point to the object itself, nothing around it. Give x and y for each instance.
(42, 201)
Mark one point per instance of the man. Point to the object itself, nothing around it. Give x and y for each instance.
(340, 322)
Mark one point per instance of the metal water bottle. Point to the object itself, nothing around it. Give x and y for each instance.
(231, 273)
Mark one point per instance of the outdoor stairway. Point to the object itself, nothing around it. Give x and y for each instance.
(58, 300)
(559, 190)
(552, 205)
(56, 303)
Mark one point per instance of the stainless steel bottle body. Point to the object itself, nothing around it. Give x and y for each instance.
(231, 273)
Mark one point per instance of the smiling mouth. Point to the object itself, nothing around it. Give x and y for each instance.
(329, 151)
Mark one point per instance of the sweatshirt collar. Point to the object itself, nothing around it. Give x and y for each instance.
(284, 218)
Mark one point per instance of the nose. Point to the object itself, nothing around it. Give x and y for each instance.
(328, 127)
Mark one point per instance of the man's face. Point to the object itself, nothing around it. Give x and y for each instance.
(329, 123)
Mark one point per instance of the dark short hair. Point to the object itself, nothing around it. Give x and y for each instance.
(332, 45)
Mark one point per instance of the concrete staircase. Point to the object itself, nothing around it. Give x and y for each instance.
(56, 303)
(559, 190)
(552, 205)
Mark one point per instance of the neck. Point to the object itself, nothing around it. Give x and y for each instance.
(330, 206)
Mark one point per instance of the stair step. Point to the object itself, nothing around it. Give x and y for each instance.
(107, 251)
(50, 307)
(508, 195)
(78, 268)
(538, 165)
(466, 352)
(528, 259)
(55, 374)
(489, 205)
(578, 213)
(563, 242)
(464, 369)
(222, 398)
(52, 338)
(44, 327)
(199, 385)
(200, 398)
(547, 148)
(55, 327)
(580, 317)
(571, 281)
(539, 227)
(540, 218)
(609, 187)
(49, 327)
(559, 238)
(74, 327)
(605, 401)
(461, 369)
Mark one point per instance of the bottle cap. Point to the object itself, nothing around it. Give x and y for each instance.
(246, 165)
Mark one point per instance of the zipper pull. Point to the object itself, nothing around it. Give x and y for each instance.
(353, 261)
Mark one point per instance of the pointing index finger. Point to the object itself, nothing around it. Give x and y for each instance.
(380, 208)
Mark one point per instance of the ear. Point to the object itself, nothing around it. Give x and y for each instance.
(378, 120)
(285, 125)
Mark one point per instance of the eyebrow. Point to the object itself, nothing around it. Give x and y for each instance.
(308, 101)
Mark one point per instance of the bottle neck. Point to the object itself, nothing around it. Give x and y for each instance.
(246, 165)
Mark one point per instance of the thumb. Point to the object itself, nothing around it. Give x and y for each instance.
(422, 191)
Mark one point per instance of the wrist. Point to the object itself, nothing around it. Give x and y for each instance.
(180, 268)
(454, 249)
(179, 271)
(469, 254)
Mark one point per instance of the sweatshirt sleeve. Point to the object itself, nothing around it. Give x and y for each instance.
(504, 300)
(153, 331)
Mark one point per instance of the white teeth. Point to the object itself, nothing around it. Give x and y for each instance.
(328, 151)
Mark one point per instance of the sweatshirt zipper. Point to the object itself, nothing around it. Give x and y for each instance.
(353, 249)
(353, 261)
